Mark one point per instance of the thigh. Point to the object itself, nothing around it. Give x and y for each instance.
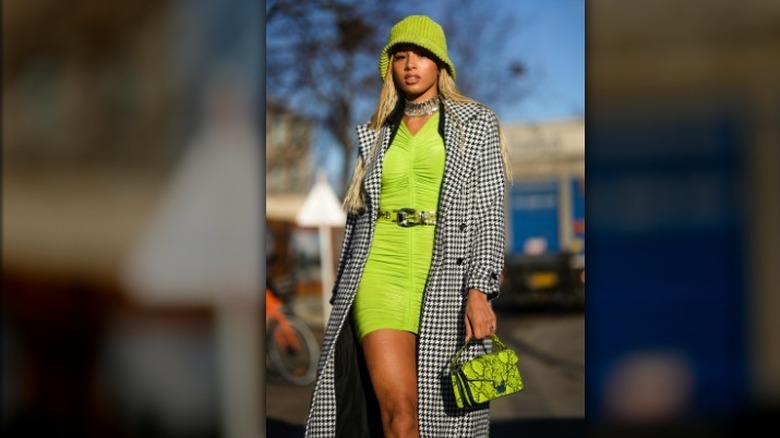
(391, 359)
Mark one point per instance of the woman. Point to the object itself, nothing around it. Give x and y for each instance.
(422, 254)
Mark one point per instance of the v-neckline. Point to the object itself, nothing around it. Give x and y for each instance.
(414, 134)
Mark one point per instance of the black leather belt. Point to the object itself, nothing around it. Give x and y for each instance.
(408, 217)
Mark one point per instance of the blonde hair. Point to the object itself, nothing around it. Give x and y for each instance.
(389, 99)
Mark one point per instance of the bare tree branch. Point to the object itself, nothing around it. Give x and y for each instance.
(321, 58)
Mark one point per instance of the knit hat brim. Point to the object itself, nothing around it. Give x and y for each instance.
(420, 31)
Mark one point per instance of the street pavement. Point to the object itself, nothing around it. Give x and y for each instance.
(551, 347)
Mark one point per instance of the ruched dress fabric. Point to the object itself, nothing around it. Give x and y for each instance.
(393, 283)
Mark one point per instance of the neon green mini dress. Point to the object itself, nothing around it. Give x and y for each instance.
(393, 283)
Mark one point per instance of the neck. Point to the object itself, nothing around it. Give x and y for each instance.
(419, 109)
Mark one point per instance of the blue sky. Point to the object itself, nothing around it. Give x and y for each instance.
(554, 40)
(550, 40)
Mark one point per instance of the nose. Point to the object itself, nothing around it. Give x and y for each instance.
(411, 60)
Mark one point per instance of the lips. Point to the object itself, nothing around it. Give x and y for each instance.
(411, 79)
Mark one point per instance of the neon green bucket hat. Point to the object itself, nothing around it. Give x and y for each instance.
(421, 31)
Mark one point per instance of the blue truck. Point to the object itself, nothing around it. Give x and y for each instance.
(545, 259)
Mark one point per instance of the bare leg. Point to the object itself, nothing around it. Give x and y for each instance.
(392, 365)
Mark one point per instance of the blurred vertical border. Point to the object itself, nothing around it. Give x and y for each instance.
(131, 223)
(682, 134)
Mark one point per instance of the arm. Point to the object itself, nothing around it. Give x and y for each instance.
(487, 256)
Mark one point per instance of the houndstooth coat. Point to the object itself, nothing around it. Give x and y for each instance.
(468, 253)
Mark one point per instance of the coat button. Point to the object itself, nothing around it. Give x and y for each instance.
(459, 261)
(462, 227)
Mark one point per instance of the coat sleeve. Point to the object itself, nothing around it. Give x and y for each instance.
(489, 235)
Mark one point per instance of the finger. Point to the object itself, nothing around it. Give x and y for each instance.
(468, 330)
(476, 330)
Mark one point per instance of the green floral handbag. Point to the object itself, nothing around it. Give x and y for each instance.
(486, 377)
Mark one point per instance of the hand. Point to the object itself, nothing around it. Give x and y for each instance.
(480, 320)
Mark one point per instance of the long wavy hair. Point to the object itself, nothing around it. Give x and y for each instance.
(390, 98)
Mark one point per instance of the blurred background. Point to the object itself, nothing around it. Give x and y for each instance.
(134, 231)
(132, 218)
(683, 141)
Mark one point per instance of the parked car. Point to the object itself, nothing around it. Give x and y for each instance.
(544, 280)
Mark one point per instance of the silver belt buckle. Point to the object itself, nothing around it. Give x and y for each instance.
(404, 216)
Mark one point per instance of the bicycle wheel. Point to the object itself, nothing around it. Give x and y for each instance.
(295, 361)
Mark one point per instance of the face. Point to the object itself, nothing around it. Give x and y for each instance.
(416, 72)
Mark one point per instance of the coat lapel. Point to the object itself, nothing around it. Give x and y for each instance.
(454, 142)
(373, 158)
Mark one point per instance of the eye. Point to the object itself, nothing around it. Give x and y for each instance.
(422, 53)
(398, 56)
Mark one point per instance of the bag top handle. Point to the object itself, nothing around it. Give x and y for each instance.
(494, 338)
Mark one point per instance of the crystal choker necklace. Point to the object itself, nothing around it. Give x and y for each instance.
(419, 109)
